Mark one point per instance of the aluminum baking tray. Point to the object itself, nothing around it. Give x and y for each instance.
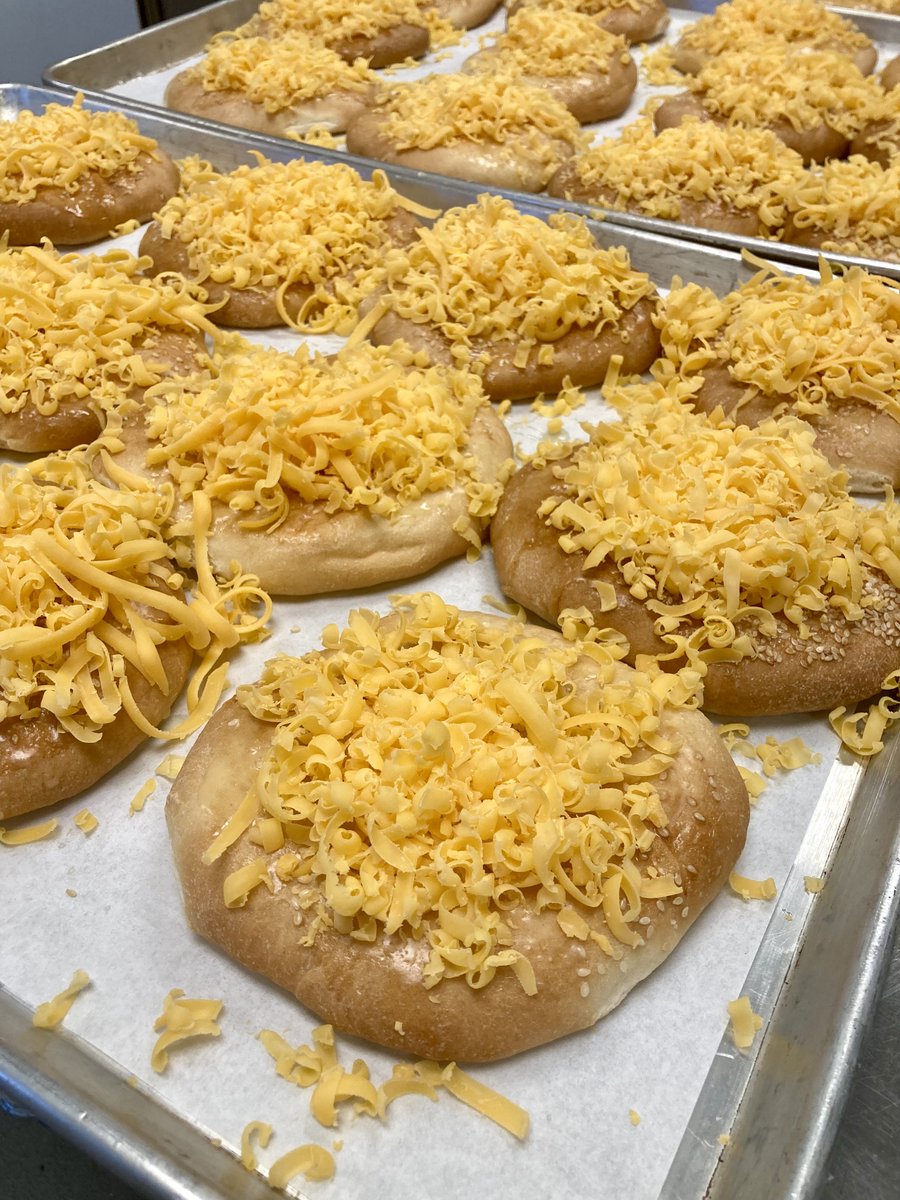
(139, 68)
(808, 962)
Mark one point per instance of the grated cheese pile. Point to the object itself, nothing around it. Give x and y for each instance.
(444, 110)
(434, 771)
(83, 327)
(280, 72)
(882, 120)
(773, 84)
(88, 588)
(855, 201)
(553, 44)
(772, 754)
(718, 529)
(837, 338)
(740, 169)
(740, 23)
(59, 147)
(371, 431)
(594, 8)
(318, 1067)
(490, 273)
(276, 224)
(334, 21)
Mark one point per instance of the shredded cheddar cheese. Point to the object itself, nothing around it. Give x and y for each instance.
(311, 1161)
(181, 1019)
(634, 1117)
(443, 110)
(594, 8)
(372, 431)
(170, 766)
(854, 202)
(316, 225)
(25, 835)
(752, 889)
(86, 821)
(742, 23)
(745, 1023)
(253, 1130)
(142, 795)
(812, 342)
(86, 596)
(774, 755)
(489, 273)
(813, 884)
(338, 21)
(773, 83)
(556, 45)
(487, 757)
(719, 529)
(280, 72)
(63, 145)
(52, 1013)
(745, 170)
(85, 328)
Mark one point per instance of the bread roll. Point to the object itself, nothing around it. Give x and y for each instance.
(296, 243)
(279, 87)
(826, 351)
(523, 302)
(890, 76)
(665, 582)
(581, 65)
(498, 131)
(382, 33)
(73, 175)
(376, 987)
(465, 14)
(82, 334)
(377, 466)
(635, 20)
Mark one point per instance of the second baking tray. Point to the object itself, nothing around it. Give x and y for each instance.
(139, 67)
(808, 962)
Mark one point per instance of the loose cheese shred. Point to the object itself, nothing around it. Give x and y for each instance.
(258, 1131)
(52, 1013)
(744, 170)
(140, 798)
(772, 82)
(539, 42)
(27, 834)
(773, 754)
(240, 883)
(170, 766)
(312, 1162)
(745, 1023)
(718, 528)
(740, 23)
(483, 1099)
(634, 1117)
(445, 110)
(752, 889)
(488, 273)
(85, 596)
(813, 884)
(86, 821)
(181, 1019)
(279, 72)
(63, 145)
(534, 788)
(274, 225)
(373, 430)
(85, 328)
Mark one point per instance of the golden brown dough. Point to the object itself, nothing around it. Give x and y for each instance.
(374, 988)
(840, 661)
(890, 76)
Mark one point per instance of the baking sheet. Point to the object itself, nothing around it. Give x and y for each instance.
(140, 67)
(125, 927)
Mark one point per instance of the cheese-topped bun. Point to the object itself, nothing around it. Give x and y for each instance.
(569, 55)
(380, 31)
(463, 14)
(851, 206)
(80, 333)
(297, 243)
(890, 76)
(326, 475)
(635, 20)
(736, 25)
(712, 176)
(735, 552)
(814, 100)
(525, 303)
(497, 130)
(73, 176)
(879, 137)
(282, 86)
(472, 836)
(96, 635)
(828, 351)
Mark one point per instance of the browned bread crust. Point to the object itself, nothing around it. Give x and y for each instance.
(842, 662)
(97, 206)
(466, 14)
(373, 990)
(890, 76)
(41, 763)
